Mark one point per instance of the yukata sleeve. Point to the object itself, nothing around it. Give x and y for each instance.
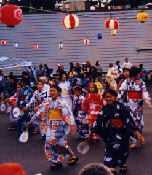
(32, 100)
(129, 121)
(145, 92)
(13, 99)
(41, 114)
(30, 94)
(122, 89)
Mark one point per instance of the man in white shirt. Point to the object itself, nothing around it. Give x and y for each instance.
(127, 64)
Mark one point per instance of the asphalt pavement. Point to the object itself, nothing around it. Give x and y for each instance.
(32, 157)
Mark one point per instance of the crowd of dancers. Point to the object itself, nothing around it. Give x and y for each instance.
(110, 107)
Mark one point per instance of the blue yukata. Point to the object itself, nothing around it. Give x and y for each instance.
(115, 125)
(24, 98)
(58, 118)
(135, 94)
(82, 125)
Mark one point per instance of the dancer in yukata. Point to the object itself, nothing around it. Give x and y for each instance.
(24, 98)
(115, 125)
(92, 104)
(37, 99)
(60, 122)
(136, 93)
(82, 125)
(66, 90)
(12, 101)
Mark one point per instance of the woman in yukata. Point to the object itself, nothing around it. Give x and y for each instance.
(136, 93)
(92, 104)
(66, 90)
(60, 122)
(36, 101)
(115, 125)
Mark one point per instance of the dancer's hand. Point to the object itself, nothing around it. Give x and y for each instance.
(147, 102)
(28, 124)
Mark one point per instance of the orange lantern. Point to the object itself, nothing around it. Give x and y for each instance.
(71, 21)
(11, 15)
(36, 46)
(19, 69)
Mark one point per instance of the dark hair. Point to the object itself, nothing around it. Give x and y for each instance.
(95, 169)
(110, 65)
(140, 66)
(77, 88)
(126, 69)
(19, 84)
(125, 59)
(134, 71)
(62, 74)
(56, 87)
(0, 71)
(97, 63)
(26, 81)
(111, 92)
(40, 81)
(95, 86)
(117, 62)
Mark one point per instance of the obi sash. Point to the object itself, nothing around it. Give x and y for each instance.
(55, 114)
(22, 98)
(65, 92)
(116, 123)
(135, 94)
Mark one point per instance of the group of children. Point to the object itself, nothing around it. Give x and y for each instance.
(94, 113)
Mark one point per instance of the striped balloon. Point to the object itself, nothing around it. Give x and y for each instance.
(111, 24)
(71, 21)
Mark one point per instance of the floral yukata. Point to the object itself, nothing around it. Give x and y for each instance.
(115, 125)
(24, 98)
(92, 104)
(59, 118)
(82, 125)
(36, 100)
(136, 92)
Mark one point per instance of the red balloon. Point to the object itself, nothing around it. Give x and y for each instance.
(11, 15)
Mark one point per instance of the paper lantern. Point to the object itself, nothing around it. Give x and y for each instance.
(111, 24)
(71, 21)
(113, 31)
(19, 69)
(60, 45)
(11, 15)
(99, 36)
(3, 42)
(36, 46)
(86, 41)
(16, 45)
(142, 17)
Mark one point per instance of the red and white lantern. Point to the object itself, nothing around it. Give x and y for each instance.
(11, 15)
(71, 21)
(86, 41)
(111, 24)
(3, 42)
(36, 46)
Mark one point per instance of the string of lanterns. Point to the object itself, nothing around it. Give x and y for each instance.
(14, 17)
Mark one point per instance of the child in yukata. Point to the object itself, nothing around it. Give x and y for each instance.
(12, 101)
(60, 122)
(37, 99)
(115, 125)
(82, 125)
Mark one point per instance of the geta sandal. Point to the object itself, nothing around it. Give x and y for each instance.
(123, 169)
(56, 166)
(75, 159)
(11, 129)
(133, 146)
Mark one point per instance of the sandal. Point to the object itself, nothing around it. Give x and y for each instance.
(75, 159)
(56, 166)
(123, 169)
(11, 129)
(35, 131)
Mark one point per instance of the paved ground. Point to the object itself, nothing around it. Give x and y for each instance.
(32, 156)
